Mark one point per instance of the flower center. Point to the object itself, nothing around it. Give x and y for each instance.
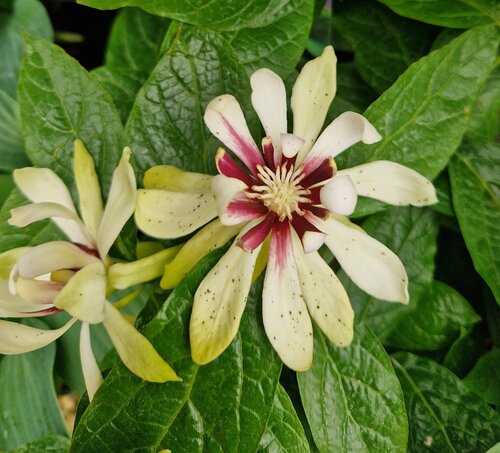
(281, 191)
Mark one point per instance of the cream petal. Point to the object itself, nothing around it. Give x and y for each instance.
(8, 260)
(343, 132)
(392, 183)
(326, 298)
(135, 350)
(120, 205)
(219, 303)
(339, 195)
(225, 120)
(269, 101)
(290, 145)
(16, 338)
(37, 291)
(173, 179)
(14, 306)
(169, 215)
(91, 373)
(89, 190)
(42, 185)
(84, 296)
(370, 264)
(312, 95)
(312, 241)
(284, 312)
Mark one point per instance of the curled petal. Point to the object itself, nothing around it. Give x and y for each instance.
(8, 260)
(91, 373)
(174, 179)
(37, 291)
(227, 166)
(13, 306)
(392, 183)
(339, 195)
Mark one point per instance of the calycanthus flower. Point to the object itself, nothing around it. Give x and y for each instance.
(75, 275)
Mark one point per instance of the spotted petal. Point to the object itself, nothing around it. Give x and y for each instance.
(173, 179)
(339, 195)
(91, 373)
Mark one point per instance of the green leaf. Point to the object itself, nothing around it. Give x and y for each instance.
(410, 233)
(28, 405)
(423, 116)
(444, 415)
(443, 192)
(27, 15)
(51, 443)
(222, 406)
(59, 102)
(352, 397)
(283, 431)
(166, 122)
(475, 183)
(11, 139)
(384, 43)
(484, 377)
(437, 319)
(6, 187)
(454, 14)
(494, 449)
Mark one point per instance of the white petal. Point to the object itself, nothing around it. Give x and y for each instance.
(339, 195)
(169, 215)
(269, 101)
(225, 191)
(326, 298)
(392, 183)
(89, 191)
(120, 205)
(84, 296)
(312, 95)
(343, 132)
(370, 264)
(91, 373)
(16, 338)
(312, 241)
(290, 145)
(16, 307)
(285, 316)
(219, 303)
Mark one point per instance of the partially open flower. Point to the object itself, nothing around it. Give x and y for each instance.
(74, 275)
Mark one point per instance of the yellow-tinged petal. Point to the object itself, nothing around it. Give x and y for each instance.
(88, 188)
(209, 238)
(123, 275)
(9, 259)
(147, 248)
(84, 296)
(120, 205)
(91, 373)
(16, 307)
(312, 94)
(169, 215)
(16, 338)
(135, 350)
(173, 179)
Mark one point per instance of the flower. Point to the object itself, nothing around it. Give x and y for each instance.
(74, 275)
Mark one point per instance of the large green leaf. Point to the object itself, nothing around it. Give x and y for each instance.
(444, 415)
(223, 406)
(454, 14)
(60, 102)
(475, 183)
(283, 433)
(410, 233)
(50, 443)
(11, 139)
(352, 398)
(423, 116)
(437, 318)
(485, 376)
(27, 15)
(166, 122)
(384, 43)
(28, 405)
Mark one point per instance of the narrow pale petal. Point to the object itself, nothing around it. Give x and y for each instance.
(225, 120)
(16, 307)
(120, 205)
(42, 185)
(326, 298)
(227, 166)
(285, 316)
(84, 296)
(209, 238)
(312, 241)
(135, 350)
(37, 291)
(370, 264)
(343, 132)
(339, 195)
(269, 101)
(290, 145)
(174, 179)
(16, 338)
(392, 183)
(8, 260)
(169, 215)
(219, 303)
(89, 191)
(312, 95)
(123, 275)
(91, 373)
